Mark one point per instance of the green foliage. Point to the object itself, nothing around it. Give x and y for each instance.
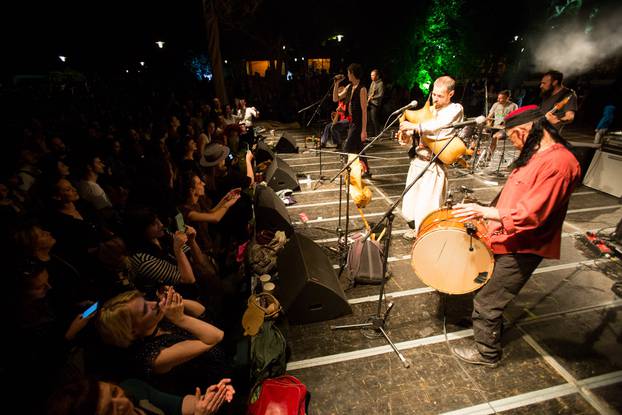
(436, 46)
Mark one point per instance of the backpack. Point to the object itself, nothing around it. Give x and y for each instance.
(284, 395)
(365, 260)
(268, 352)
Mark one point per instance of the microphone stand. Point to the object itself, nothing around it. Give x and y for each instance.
(316, 112)
(375, 325)
(343, 241)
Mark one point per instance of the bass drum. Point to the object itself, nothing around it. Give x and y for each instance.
(451, 256)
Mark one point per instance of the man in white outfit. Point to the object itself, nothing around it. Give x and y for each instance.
(429, 192)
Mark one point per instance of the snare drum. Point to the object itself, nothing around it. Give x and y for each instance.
(451, 256)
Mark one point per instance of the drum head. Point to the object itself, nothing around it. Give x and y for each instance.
(442, 259)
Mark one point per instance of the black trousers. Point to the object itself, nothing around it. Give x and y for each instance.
(374, 118)
(510, 275)
(353, 143)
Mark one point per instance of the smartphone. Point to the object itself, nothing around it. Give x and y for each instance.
(93, 308)
(179, 220)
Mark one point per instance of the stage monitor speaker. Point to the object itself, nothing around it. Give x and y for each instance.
(280, 175)
(584, 153)
(270, 212)
(307, 287)
(263, 153)
(286, 144)
(604, 173)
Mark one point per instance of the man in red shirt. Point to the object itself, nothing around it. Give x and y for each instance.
(524, 226)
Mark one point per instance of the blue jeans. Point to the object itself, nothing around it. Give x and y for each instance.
(334, 132)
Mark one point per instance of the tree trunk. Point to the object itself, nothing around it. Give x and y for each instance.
(213, 44)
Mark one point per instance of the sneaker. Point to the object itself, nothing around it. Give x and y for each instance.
(410, 235)
(470, 354)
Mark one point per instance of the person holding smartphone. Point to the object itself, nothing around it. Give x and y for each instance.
(40, 341)
(158, 257)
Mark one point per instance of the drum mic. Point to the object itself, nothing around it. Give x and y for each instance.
(412, 104)
(477, 120)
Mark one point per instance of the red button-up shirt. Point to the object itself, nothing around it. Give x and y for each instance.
(533, 204)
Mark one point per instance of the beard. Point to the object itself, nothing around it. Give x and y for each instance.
(545, 93)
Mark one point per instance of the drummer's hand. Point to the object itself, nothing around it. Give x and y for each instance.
(468, 211)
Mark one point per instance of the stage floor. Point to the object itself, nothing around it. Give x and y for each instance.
(562, 345)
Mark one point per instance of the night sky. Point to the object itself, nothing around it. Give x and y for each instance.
(97, 34)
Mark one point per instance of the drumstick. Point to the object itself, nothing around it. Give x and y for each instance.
(381, 235)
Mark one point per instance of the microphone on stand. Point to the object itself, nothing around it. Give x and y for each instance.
(477, 120)
(412, 104)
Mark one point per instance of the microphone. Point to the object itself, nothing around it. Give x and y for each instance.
(412, 104)
(477, 120)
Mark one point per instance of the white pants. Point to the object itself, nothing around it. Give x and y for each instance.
(427, 195)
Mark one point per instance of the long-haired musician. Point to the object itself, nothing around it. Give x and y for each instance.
(525, 225)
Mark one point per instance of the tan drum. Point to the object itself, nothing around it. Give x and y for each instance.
(451, 256)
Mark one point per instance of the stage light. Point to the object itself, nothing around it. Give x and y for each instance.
(142, 63)
(522, 50)
(127, 71)
(283, 47)
(62, 58)
(515, 38)
(339, 37)
(160, 44)
(226, 61)
(303, 58)
(295, 59)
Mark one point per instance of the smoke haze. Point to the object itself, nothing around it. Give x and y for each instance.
(572, 51)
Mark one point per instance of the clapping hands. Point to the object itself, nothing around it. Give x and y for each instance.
(214, 397)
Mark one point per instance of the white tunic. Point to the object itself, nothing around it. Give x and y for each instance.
(429, 192)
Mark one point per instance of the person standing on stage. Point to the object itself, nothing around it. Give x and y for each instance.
(525, 226)
(376, 92)
(428, 193)
(553, 92)
(357, 109)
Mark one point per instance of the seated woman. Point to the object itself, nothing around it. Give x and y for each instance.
(35, 244)
(171, 348)
(158, 257)
(196, 207)
(132, 396)
(77, 232)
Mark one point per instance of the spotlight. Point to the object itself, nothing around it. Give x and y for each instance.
(160, 44)
(339, 37)
(226, 61)
(63, 58)
(142, 63)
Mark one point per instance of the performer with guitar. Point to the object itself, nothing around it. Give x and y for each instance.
(429, 193)
(553, 92)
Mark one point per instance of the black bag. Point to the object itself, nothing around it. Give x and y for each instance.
(365, 260)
